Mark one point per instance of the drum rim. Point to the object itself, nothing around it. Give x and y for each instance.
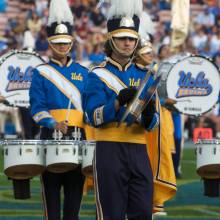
(12, 52)
(206, 58)
(208, 141)
(60, 142)
(20, 142)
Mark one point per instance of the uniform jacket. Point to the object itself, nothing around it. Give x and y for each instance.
(52, 87)
(104, 84)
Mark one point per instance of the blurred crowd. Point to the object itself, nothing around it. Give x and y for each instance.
(26, 29)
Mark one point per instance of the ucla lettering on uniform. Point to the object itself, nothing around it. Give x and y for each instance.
(75, 76)
(134, 83)
(190, 86)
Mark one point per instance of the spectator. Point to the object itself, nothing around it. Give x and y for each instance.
(97, 17)
(41, 5)
(205, 18)
(199, 39)
(41, 41)
(78, 9)
(34, 24)
(215, 43)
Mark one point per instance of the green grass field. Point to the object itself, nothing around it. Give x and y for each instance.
(188, 204)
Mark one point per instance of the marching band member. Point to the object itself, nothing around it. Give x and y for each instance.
(122, 173)
(160, 141)
(54, 86)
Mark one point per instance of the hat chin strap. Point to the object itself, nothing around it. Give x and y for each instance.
(63, 54)
(121, 52)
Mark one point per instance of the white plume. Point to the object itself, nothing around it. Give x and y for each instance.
(128, 8)
(59, 12)
(146, 26)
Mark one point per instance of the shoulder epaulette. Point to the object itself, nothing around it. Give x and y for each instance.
(101, 65)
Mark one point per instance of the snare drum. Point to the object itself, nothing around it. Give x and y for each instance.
(192, 81)
(88, 149)
(61, 155)
(23, 159)
(208, 158)
(16, 70)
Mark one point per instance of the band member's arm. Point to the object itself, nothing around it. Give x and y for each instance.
(38, 102)
(99, 109)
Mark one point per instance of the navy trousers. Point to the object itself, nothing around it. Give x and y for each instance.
(123, 181)
(72, 183)
(52, 183)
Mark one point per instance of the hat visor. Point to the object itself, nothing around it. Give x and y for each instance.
(125, 34)
(61, 40)
(146, 49)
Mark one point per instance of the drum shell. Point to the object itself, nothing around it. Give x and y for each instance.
(16, 64)
(88, 149)
(192, 81)
(208, 159)
(62, 156)
(23, 161)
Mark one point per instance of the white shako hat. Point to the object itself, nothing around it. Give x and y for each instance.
(60, 22)
(123, 18)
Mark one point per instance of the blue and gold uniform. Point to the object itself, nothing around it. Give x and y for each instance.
(52, 87)
(122, 171)
(103, 86)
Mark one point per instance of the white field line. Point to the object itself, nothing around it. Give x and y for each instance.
(207, 212)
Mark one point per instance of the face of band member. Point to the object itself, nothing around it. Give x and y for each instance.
(61, 49)
(125, 45)
(147, 58)
(164, 52)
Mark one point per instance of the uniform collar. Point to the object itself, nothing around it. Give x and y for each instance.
(53, 60)
(140, 66)
(118, 65)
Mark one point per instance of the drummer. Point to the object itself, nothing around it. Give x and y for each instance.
(123, 174)
(55, 99)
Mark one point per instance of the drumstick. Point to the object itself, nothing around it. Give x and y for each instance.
(55, 134)
(68, 111)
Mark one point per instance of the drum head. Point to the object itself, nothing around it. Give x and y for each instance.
(194, 82)
(16, 70)
(27, 171)
(210, 171)
(61, 167)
